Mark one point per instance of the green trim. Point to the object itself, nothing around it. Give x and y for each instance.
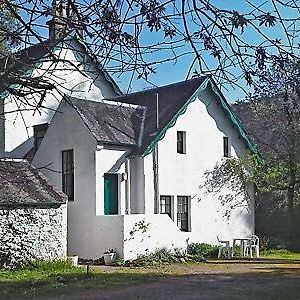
(233, 118)
(221, 100)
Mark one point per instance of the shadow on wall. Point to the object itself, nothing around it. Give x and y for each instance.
(224, 184)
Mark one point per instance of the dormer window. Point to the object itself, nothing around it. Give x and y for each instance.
(181, 142)
(39, 132)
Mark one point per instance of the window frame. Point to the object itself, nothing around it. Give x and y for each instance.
(67, 163)
(39, 132)
(226, 147)
(187, 214)
(181, 142)
(171, 205)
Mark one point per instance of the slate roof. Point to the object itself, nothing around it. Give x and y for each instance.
(110, 123)
(170, 99)
(22, 151)
(131, 119)
(21, 185)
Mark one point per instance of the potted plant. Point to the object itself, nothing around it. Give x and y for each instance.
(73, 259)
(109, 256)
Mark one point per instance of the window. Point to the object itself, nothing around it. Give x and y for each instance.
(183, 213)
(68, 173)
(166, 206)
(226, 147)
(181, 142)
(39, 133)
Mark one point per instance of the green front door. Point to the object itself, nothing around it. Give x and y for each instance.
(111, 184)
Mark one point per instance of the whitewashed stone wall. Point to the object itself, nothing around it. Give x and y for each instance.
(32, 233)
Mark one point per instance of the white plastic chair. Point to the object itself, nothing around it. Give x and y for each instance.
(252, 244)
(223, 244)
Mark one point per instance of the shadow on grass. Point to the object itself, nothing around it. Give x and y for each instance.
(67, 283)
(264, 282)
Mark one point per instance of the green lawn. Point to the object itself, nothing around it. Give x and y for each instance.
(280, 254)
(60, 278)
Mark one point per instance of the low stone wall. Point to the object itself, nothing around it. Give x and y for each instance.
(32, 233)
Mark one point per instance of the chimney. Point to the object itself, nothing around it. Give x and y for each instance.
(65, 17)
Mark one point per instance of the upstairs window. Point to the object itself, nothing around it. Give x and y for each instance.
(226, 147)
(166, 206)
(181, 142)
(68, 173)
(183, 213)
(39, 133)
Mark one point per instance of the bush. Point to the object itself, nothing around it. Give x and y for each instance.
(48, 265)
(158, 257)
(119, 262)
(202, 250)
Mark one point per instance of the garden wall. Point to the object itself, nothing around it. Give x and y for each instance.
(32, 233)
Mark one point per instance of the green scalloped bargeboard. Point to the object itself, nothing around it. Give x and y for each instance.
(225, 106)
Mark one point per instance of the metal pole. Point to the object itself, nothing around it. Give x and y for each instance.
(155, 163)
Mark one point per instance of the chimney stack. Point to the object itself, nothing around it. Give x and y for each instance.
(65, 17)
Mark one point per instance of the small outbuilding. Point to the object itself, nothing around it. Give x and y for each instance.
(33, 215)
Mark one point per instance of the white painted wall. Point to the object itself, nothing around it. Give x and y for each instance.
(160, 232)
(182, 174)
(89, 232)
(67, 131)
(73, 75)
(137, 183)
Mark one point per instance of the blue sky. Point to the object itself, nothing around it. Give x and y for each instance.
(169, 72)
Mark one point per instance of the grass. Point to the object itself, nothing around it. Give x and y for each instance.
(40, 279)
(280, 254)
(60, 278)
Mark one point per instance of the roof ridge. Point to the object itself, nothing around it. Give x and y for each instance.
(174, 84)
(104, 101)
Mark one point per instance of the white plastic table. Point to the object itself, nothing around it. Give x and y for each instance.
(242, 240)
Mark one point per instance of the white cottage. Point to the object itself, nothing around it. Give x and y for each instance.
(132, 167)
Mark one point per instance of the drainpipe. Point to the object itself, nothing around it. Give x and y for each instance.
(127, 189)
(155, 164)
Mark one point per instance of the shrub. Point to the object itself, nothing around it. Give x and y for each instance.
(48, 265)
(202, 250)
(159, 256)
(119, 262)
